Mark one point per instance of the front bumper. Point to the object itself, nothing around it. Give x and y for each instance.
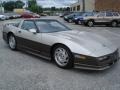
(66, 19)
(92, 63)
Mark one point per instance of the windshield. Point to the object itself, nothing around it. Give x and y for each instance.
(48, 26)
(76, 14)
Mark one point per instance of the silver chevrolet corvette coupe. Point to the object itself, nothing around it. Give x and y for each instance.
(53, 40)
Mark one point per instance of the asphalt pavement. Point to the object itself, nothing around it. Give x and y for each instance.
(22, 71)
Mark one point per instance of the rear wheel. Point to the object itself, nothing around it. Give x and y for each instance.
(12, 42)
(90, 23)
(114, 24)
(62, 56)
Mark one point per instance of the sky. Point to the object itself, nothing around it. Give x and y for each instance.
(57, 3)
(51, 3)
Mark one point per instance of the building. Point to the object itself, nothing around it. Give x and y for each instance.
(76, 7)
(102, 5)
(95, 5)
(83, 5)
(19, 11)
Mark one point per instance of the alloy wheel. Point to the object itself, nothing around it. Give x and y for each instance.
(12, 42)
(61, 57)
(90, 23)
(114, 24)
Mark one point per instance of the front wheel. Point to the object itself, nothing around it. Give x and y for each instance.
(63, 57)
(90, 23)
(12, 42)
(114, 24)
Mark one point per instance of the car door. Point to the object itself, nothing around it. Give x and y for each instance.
(108, 17)
(100, 18)
(27, 39)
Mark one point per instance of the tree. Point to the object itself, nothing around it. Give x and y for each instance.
(31, 3)
(32, 6)
(61, 9)
(53, 8)
(10, 5)
(36, 9)
(67, 9)
(19, 4)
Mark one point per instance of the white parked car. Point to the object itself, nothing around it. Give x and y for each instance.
(2, 17)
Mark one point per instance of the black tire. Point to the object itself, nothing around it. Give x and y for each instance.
(68, 64)
(10, 42)
(90, 23)
(114, 24)
(85, 24)
(76, 22)
(108, 25)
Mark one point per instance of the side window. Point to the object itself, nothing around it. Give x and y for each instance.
(101, 15)
(109, 14)
(28, 25)
(57, 25)
(115, 14)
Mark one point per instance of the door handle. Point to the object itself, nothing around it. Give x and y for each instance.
(19, 31)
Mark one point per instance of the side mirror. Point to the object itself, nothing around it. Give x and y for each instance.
(33, 31)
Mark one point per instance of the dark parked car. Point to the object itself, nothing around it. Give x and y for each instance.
(70, 18)
(79, 19)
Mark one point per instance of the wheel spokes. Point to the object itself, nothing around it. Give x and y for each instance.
(61, 56)
(12, 42)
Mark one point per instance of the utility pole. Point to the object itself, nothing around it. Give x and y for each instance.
(83, 3)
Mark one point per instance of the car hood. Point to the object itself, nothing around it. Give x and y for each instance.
(96, 44)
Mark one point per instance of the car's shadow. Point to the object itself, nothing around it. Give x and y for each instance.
(74, 70)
